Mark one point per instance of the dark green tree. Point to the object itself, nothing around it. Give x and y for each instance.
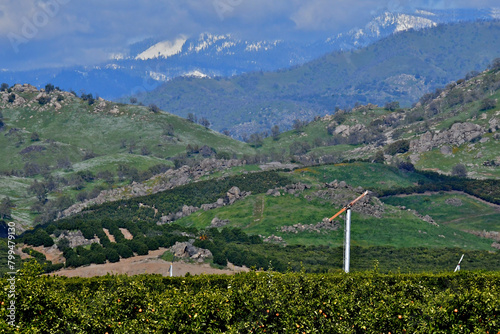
(49, 88)
(6, 208)
(392, 106)
(35, 136)
(459, 170)
(275, 132)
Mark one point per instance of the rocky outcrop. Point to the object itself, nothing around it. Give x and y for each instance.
(458, 134)
(216, 222)
(273, 239)
(76, 238)
(32, 149)
(165, 181)
(493, 235)
(494, 124)
(347, 130)
(26, 88)
(187, 250)
(492, 163)
(324, 225)
(233, 195)
(277, 165)
(340, 193)
(426, 218)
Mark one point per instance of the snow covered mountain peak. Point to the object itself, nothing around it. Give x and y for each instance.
(399, 22)
(384, 25)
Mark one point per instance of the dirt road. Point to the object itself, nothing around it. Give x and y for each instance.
(146, 264)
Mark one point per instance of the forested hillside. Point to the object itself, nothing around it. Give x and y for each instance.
(402, 67)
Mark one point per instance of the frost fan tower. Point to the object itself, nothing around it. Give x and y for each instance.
(347, 251)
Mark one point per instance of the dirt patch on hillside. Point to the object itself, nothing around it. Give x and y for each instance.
(51, 253)
(146, 264)
(126, 234)
(109, 235)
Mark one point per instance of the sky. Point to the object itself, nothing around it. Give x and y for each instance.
(51, 33)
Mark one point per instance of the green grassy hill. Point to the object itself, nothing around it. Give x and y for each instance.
(263, 214)
(368, 129)
(389, 231)
(78, 146)
(104, 128)
(401, 67)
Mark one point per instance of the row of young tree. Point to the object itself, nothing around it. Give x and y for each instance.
(146, 237)
(488, 190)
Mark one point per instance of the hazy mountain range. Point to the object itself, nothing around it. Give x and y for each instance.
(153, 61)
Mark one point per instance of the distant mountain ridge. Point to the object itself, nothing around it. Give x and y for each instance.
(151, 62)
(401, 67)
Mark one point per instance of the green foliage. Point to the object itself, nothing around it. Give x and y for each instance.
(257, 303)
(49, 88)
(39, 238)
(488, 190)
(43, 100)
(400, 146)
(459, 170)
(6, 206)
(487, 104)
(378, 158)
(392, 106)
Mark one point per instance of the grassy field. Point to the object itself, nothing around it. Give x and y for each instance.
(265, 215)
(366, 175)
(471, 214)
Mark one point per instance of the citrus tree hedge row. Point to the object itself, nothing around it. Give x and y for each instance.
(257, 302)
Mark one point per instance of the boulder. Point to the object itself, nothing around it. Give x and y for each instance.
(446, 150)
(346, 130)
(187, 210)
(187, 250)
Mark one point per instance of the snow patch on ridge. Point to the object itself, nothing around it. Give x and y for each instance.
(157, 76)
(163, 49)
(424, 12)
(495, 13)
(196, 74)
(261, 45)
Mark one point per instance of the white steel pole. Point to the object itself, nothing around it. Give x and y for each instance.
(347, 255)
